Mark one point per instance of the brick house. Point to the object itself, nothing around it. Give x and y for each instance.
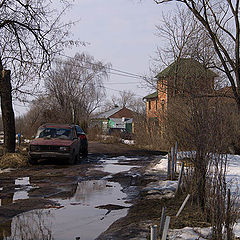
(180, 79)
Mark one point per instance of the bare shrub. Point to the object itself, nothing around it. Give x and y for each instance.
(149, 134)
(204, 129)
(14, 160)
(222, 199)
(94, 133)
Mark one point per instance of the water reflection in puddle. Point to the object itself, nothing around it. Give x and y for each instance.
(22, 187)
(113, 165)
(78, 217)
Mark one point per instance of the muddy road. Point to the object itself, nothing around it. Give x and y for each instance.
(56, 201)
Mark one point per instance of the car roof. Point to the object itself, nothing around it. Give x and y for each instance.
(79, 129)
(56, 125)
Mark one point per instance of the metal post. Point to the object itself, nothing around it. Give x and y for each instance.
(154, 232)
(169, 165)
(165, 230)
(162, 221)
(180, 177)
(173, 156)
(228, 215)
(183, 205)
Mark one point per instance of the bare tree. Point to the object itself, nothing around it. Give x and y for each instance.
(221, 21)
(185, 38)
(31, 34)
(76, 86)
(125, 99)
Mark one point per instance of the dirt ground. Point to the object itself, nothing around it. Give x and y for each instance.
(57, 180)
(120, 149)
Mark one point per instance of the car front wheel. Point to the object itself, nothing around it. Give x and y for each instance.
(74, 159)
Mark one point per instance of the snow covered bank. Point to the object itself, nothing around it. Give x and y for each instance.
(189, 233)
(165, 187)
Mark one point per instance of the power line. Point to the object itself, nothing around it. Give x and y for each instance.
(124, 73)
(118, 72)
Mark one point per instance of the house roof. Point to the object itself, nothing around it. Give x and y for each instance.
(109, 113)
(186, 67)
(152, 95)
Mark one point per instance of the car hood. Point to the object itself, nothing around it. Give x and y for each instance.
(52, 141)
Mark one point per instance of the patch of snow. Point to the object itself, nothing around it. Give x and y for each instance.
(189, 233)
(233, 172)
(129, 142)
(236, 229)
(161, 165)
(161, 189)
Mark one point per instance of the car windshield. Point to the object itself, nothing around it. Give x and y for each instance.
(61, 133)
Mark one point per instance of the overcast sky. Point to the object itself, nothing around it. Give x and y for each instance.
(120, 32)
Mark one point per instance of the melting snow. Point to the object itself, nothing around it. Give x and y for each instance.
(233, 177)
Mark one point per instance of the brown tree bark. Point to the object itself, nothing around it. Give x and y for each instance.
(7, 110)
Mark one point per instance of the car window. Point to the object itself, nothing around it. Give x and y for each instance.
(79, 130)
(61, 133)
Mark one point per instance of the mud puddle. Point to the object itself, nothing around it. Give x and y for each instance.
(92, 208)
(20, 191)
(117, 164)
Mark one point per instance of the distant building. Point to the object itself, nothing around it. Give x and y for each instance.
(180, 79)
(116, 117)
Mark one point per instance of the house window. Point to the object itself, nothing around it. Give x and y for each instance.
(163, 105)
(149, 105)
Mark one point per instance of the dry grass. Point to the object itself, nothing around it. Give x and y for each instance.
(13, 160)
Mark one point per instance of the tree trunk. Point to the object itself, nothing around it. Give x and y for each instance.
(200, 179)
(7, 111)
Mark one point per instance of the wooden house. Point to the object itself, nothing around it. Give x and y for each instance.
(117, 117)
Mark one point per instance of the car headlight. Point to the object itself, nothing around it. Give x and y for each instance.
(64, 149)
(34, 148)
